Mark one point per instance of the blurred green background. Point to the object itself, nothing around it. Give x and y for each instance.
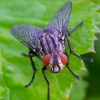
(91, 78)
(89, 84)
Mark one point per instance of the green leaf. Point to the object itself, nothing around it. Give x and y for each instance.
(16, 71)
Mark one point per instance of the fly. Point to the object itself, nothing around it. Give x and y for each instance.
(49, 43)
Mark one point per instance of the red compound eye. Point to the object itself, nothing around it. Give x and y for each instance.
(46, 60)
(64, 58)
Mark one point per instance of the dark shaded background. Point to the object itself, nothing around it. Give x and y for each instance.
(93, 79)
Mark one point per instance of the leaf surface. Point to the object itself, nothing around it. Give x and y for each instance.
(15, 69)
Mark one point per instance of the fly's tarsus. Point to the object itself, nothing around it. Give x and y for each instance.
(67, 65)
(72, 72)
(83, 58)
(31, 80)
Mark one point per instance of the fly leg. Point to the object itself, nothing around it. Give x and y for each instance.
(34, 69)
(33, 53)
(67, 65)
(71, 31)
(48, 84)
(72, 72)
(71, 51)
(24, 54)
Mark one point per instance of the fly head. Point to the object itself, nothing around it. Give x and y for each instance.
(55, 62)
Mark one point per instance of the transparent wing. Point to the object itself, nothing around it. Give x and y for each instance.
(25, 34)
(61, 17)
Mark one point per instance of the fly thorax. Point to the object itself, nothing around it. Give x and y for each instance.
(49, 44)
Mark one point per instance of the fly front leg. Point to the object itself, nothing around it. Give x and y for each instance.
(72, 72)
(48, 84)
(67, 65)
(71, 51)
(34, 69)
(71, 31)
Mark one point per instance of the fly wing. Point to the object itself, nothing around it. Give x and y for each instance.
(25, 34)
(61, 17)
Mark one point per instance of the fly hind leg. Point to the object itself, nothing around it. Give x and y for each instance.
(71, 51)
(71, 31)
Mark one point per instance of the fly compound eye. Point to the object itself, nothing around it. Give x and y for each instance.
(64, 58)
(46, 60)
